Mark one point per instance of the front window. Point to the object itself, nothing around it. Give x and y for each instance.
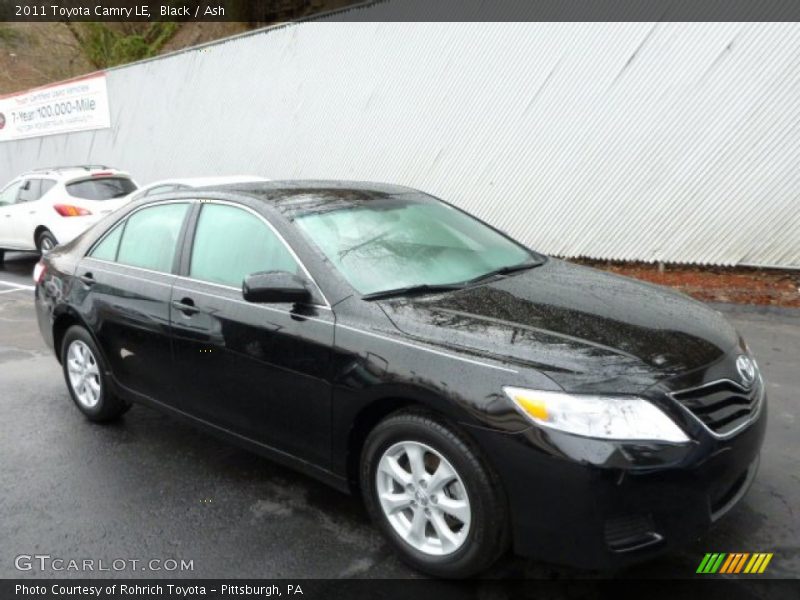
(231, 243)
(9, 193)
(396, 242)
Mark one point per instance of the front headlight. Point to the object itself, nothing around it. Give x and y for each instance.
(604, 417)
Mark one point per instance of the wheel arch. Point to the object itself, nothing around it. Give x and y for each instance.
(37, 232)
(378, 409)
(62, 321)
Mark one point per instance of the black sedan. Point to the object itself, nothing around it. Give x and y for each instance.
(479, 395)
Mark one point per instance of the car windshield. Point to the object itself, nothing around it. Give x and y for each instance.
(395, 243)
(101, 188)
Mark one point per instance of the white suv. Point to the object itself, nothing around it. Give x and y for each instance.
(43, 208)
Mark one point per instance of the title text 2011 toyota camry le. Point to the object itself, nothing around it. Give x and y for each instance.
(479, 395)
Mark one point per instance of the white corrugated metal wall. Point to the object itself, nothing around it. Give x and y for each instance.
(675, 142)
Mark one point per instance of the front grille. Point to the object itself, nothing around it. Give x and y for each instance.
(723, 406)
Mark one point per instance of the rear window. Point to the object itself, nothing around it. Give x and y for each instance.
(101, 188)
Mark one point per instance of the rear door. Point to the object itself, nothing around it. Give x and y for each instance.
(259, 370)
(127, 280)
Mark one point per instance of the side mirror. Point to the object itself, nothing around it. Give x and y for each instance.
(275, 286)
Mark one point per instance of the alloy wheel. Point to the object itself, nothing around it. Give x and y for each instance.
(423, 498)
(84, 374)
(47, 243)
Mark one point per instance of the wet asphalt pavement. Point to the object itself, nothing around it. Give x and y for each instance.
(149, 487)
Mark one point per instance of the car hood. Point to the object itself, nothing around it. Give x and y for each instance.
(585, 329)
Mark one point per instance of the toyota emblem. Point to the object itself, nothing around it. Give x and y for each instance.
(747, 370)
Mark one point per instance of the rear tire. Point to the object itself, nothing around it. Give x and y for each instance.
(46, 241)
(433, 496)
(85, 374)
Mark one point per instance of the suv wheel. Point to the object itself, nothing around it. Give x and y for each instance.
(46, 241)
(433, 496)
(84, 371)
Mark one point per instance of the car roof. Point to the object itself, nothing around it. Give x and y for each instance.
(71, 171)
(301, 195)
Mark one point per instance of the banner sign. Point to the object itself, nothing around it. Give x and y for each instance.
(75, 105)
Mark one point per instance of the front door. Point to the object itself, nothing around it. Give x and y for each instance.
(10, 214)
(261, 371)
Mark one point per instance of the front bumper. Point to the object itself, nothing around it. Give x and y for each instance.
(603, 505)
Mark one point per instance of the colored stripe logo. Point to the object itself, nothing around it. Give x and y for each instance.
(734, 563)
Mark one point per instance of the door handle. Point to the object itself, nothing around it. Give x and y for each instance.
(186, 306)
(87, 279)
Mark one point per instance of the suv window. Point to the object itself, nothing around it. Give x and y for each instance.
(101, 188)
(47, 185)
(151, 236)
(30, 190)
(231, 243)
(9, 193)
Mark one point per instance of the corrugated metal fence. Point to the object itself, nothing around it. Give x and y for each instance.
(675, 142)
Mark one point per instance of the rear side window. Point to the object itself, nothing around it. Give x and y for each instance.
(30, 190)
(107, 248)
(101, 188)
(151, 237)
(231, 243)
(47, 185)
(34, 189)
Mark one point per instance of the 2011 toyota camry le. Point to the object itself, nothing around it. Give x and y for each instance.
(480, 396)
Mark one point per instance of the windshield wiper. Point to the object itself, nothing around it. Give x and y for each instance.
(413, 289)
(505, 271)
(425, 288)
(371, 240)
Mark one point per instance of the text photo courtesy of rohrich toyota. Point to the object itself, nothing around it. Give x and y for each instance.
(302, 298)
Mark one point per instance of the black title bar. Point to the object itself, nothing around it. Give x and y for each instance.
(387, 589)
(271, 11)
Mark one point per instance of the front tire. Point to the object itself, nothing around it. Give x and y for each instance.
(84, 372)
(46, 241)
(433, 496)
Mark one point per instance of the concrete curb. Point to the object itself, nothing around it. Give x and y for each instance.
(755, 309)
